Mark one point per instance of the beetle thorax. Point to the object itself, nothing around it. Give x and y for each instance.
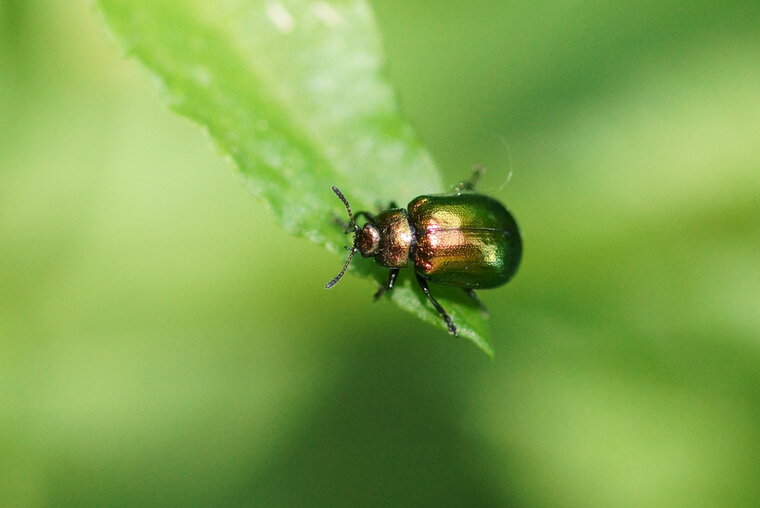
(396, 237)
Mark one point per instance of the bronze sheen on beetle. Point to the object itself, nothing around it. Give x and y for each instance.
(464, 239)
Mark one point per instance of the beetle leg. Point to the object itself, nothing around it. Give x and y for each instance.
(388, 285)
(471, 293)
(340, 222)
(470, 184)
(425, 289)
(369, 216)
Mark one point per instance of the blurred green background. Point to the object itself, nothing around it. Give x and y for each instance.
(164, 343)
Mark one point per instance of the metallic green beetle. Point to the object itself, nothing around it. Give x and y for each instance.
(465, 239)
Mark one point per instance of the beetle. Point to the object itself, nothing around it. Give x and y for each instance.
(465, 239)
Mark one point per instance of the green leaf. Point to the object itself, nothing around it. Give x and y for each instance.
(293, 91)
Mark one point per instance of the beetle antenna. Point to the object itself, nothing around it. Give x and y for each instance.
(340, 195)
(354, 248)
(330, 284)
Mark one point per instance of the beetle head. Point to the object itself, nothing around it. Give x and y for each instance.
(368, 239)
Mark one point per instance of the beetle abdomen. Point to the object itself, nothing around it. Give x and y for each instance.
(467, 240)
